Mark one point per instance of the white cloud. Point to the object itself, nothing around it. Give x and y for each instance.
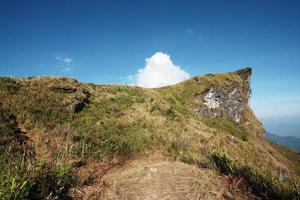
(65, 60)
(65, 63)
(65, 68)
(159, 71)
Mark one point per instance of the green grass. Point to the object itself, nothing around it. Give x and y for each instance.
(51, 181)
(21, 177)
(227, 126)
(117, 122)
(118, 139)
(263, 185)
(8, 124)
(122, 100)
(290, 155)
(14, 178)
(186, 91)
(9, 84)
(188, 156)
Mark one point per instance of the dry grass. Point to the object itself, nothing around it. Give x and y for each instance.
(158, 177)
(123, 122)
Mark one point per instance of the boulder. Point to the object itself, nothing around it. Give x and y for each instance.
(79, 101)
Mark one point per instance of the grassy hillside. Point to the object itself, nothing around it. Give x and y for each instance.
(58, 132)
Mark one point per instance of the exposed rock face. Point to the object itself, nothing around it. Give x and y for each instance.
(220, 103)
(79, 101)
(226, 102)
(63, 88)
(79, 96)
(245, 74)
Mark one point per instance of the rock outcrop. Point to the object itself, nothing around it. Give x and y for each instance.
(245, 74)
(227, 102)
(220, 103)
(79, 101)
(63, 88)
(79, 96)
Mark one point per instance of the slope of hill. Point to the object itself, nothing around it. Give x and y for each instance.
(195, 140)
(288, 141)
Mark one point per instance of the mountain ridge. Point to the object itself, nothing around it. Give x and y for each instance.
(288, 141)
(90, 136)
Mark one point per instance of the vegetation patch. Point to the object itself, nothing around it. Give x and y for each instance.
(120, 122)
(8, 124)
(21, 178)
(263, 185)
(123, 100)
(226, 126)
(9, 84)
(192, 157)
(51, 181)
(116, 138)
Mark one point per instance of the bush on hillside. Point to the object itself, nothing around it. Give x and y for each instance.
(9, 84)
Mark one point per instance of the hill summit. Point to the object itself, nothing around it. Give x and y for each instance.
(199, 139)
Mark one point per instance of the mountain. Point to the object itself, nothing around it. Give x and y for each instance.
(63, 139)
(288, 141)
(283, 126)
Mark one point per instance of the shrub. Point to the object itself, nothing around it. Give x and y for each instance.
(222, 162)
(170, 114)
(52, 182)
(9, 84)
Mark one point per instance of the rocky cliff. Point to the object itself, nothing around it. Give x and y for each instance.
(228, 102)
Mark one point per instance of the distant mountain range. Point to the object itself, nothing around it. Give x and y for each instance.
(283, 126)
(288, 141)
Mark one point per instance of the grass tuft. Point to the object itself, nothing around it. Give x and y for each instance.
(9, 84)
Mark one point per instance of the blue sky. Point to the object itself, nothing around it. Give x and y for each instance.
(107, 41)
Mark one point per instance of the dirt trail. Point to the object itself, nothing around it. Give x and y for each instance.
(151, 177)
(158, 178)
(163, 180)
